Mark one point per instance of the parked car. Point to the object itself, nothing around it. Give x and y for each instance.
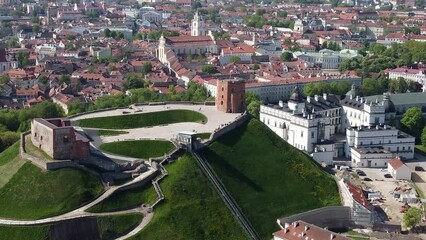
(361, 173)
(419, 168)
(367, 179)
(387, 175)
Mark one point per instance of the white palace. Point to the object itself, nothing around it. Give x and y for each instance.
(327, 127)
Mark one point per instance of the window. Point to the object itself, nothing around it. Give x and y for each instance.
(409, 148)
(371, 143)
(312, 134)
(389, 141)
(301, 134)
(221, 102)
(403, 148)
(375, 164)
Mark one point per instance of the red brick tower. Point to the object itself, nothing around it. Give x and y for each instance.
(230, 96)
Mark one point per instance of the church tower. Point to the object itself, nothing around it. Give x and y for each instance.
(162, 49)
(197, 26)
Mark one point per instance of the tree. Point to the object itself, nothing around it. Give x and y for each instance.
(423, 137)
(196, 5)
(286, 56)
(76, 107)
(12, 42)
(23, 59)
(107, 32)
(36, 28)
(234, 59)
(209, 69)
(253, 103)
(4, 79)
(412, 217)
(282, 14)
(132, 81)
(65, 79)
(146, 68)
(398, 85)
(43, 80)
(413, 120)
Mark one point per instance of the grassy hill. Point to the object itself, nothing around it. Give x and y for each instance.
(127, 199)
(139, 148)
(192, 209)
(268, 177)
(10, 163)
(143, 119)
(33, 194)
(110, 227)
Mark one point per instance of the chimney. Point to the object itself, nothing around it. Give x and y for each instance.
(351, 97)
(361, 99)
(306, 228)
(324, 95)
(316, 98)
(332, 236)
(357, 98)
(281, 103)
(308, 98)
(295, 224)
(377, 127)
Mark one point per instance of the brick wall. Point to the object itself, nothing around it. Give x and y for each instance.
(230, 96)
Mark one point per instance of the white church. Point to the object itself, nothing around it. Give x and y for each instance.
(326, 127)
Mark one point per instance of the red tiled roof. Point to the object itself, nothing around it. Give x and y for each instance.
(395, 163)
(358, 195)
(300, 230)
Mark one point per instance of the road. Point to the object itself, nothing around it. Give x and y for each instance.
(223, 193)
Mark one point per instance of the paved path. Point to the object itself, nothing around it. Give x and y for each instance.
(215, 119)
(147, 218)
(80, 212)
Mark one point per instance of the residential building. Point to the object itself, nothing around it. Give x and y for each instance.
(302, 230)
(326, 58)
(354, 197)
(398, 169)
(416, 75)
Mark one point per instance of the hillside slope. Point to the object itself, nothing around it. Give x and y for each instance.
(268, 177)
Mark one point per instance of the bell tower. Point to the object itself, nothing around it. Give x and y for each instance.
(197, 26)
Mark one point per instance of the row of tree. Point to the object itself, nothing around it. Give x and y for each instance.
(12, 122)
(373, 86)
(381, 58)
(338, 88)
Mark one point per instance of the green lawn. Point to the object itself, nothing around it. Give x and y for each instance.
(143, 119)
(139, 148)
(126, 199)
(10, 163)
(111, 227)
(192, 209)
(9, 153)
(268, 177)
(204, 135)
(103, 132)
(420, 149)
(33, 194)
(23, 232)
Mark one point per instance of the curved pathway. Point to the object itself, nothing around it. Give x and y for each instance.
(80, 212)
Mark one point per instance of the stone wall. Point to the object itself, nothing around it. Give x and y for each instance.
(228, 127)
(43, 137)
(337, 217)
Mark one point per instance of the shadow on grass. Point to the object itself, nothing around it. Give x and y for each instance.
(213, 158)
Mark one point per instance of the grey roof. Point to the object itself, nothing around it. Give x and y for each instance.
(403, 98)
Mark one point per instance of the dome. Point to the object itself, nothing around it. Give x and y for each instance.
(296, 96)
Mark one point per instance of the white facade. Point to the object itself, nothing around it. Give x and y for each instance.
(197, 25)
(359, 112)
(328, 59)
(399, 170)
(416, 75)
(373, 146)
